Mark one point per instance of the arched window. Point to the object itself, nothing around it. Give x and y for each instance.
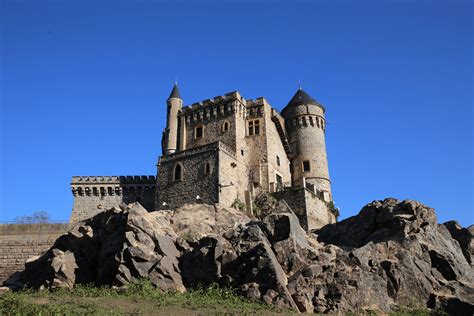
(225, 126)
(178, 172)
(207, 168)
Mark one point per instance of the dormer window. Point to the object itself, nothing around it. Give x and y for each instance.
(198, 131)
(254, 127)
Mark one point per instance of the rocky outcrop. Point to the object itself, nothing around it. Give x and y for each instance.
(117, 246)
(200, 220)
(464, 237)
(391, 256)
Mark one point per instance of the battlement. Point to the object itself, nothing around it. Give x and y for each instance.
(256, 102)
(111, 185)
(217, 100)
(306, 121)
(77, 180)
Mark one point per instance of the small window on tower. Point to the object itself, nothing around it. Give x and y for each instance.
(254, 127)
(178, 173)
(198, 131)
(306, 166)
(207, 168)
(278, 160)
(225, 126)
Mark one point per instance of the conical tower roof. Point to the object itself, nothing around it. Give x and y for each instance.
(175, 92)
(301, 97)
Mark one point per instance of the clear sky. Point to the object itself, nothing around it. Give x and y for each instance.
(84, 83)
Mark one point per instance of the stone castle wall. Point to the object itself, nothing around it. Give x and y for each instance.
(194, 181)
(18, 242)
(93, 195)
(211, 115)
(311, 211)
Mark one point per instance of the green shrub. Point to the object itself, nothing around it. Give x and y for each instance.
(238, 204)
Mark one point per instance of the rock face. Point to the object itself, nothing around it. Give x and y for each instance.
(117, 246)
(392, 255)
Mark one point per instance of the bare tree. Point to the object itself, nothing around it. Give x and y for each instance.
(38, 217)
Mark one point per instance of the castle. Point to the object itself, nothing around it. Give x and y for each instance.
(227, 150)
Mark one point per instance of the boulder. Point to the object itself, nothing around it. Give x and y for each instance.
(242, 258)
(194, 221)
(114, 247)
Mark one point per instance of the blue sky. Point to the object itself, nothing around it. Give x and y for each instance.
(84, 83)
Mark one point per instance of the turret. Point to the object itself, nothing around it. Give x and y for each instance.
(305, 125)
(170, 134)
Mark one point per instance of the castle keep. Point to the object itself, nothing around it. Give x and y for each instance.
(227, 150)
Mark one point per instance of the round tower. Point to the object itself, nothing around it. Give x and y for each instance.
(305, 125)
(175, 103)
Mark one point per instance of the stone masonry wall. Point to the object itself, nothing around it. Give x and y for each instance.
(306, 127)
(18, 242)
(95, 194)
(194, 181)
(310, 210)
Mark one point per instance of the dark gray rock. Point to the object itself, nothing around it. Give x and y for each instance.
(464, 237)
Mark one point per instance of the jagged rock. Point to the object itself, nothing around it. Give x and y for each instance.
(194, 221)
(241, 258)
(288, 239)
(464, 238)
(114, 247)
(394, 255)
(390, 256)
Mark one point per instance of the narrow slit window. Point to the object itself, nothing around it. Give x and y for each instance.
(207, 168)
(278, 160)
(306, 166)
(178, 173)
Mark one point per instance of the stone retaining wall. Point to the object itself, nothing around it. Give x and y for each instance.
(18, 242)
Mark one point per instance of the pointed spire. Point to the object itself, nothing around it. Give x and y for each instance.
(175, 92)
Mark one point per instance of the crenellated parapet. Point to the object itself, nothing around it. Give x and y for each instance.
(256, 107)
(112, 185)
(303, 121)
(228, 104)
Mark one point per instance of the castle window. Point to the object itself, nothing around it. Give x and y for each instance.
(306, 166)
(225, 126)
(178, 173)
(279, 183)
(198, 131)
(278, 160)
(254, 127)
(207, 168)
(242, 152)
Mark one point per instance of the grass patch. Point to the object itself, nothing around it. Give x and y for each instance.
(141, 297)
